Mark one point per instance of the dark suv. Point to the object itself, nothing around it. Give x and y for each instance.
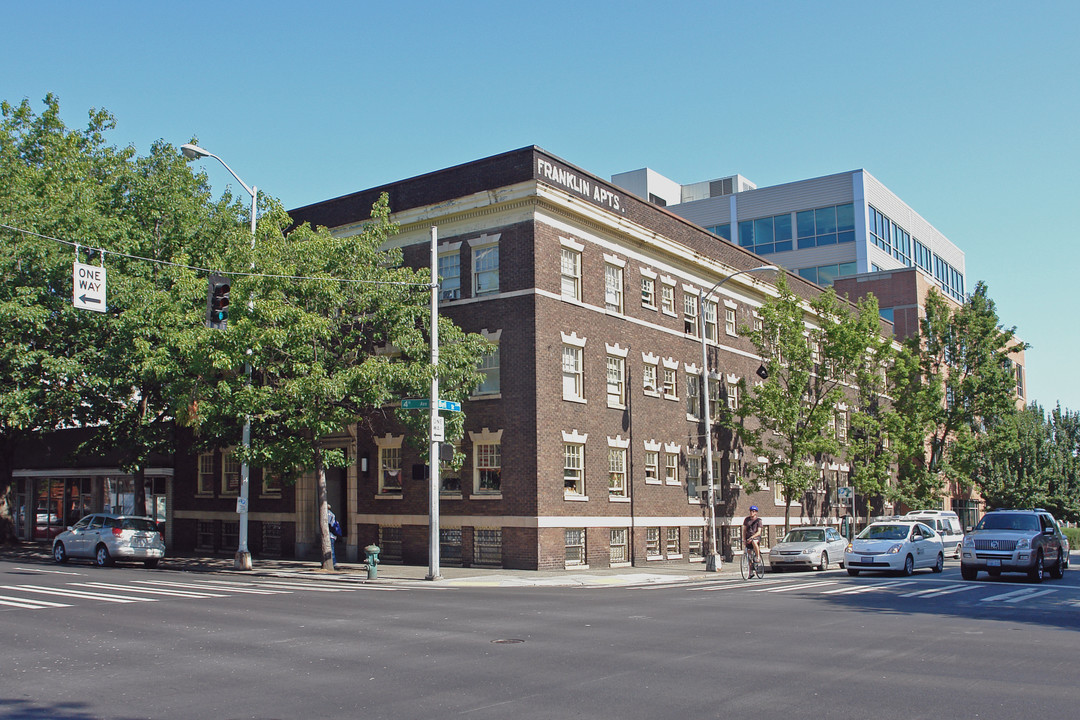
(1026, 541)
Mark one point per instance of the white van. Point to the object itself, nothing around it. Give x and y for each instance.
(947, 525)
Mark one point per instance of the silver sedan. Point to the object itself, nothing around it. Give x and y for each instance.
(807, 547)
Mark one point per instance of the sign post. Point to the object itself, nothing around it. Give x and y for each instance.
(88, 287)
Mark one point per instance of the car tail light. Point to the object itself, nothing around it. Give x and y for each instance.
(117, 532)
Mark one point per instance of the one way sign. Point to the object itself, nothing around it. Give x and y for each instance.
(88, 287)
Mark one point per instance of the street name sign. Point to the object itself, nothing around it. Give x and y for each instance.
(450, 405)
(425, 404)
(88, 287)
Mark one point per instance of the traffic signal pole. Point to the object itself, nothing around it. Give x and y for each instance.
(433, 417)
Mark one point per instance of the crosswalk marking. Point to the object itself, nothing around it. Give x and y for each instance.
(1028, 596)
(150, 591)
(208, 586)
(76, 594)
(788, 588)
(287, 585)
(938, 592)
(866, 588)
(29, 604)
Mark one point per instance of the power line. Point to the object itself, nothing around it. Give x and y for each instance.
(103, 252)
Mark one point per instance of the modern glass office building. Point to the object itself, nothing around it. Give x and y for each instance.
(822, 228)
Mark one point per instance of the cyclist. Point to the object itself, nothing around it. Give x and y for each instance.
(751, 528)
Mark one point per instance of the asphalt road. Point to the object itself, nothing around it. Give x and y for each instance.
(133, 643)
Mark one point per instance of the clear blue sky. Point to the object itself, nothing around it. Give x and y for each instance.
(966, 110)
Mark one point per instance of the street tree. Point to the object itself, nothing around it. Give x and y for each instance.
(791, 418)
(962, 383)
(334, 331)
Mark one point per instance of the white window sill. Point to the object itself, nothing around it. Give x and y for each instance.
(486, 396)
(577, 566)
(616, 405)
(692, 418)
(447, 495)
(696, 559)
(677, 556)
(654, 557)
(621, 565)
(671, 397)
(618, 499)
(576, 498)
(652, 393)
(569, 398)
(647, 306)
(693, 500)
(676, 483)
(486, 496)
(653, 482)
(388, 496)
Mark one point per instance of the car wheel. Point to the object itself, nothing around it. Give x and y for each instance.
(824, 561)
(1038, 572)
(59, 553)
(957, 553)
(852, 572)
(1058, 570)
(151, 563)
(909, 565)
(940, 564)
(102, 557)
(968, 573)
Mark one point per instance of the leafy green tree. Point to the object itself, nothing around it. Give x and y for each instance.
(337, 333)
(1018, 461)
(790, 419)
(1064, 490)
(63, 366)
(964, 382)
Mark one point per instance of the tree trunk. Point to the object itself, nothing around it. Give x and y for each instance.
(327, 554)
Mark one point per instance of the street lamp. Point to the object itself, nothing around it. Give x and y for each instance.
(242, 560)
(710, 559)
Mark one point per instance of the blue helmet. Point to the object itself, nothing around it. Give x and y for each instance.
(753, 508)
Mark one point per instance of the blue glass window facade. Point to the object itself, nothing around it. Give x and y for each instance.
(826, 226)
(723, 231)
(824, 275)
(896, 241)
(766, 235)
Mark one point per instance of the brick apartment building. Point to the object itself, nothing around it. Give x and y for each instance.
(584, 443)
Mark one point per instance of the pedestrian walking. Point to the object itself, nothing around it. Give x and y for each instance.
(334, 527)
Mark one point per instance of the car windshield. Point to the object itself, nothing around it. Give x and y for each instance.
(1008, 521)
(797, 536)
(884, 532)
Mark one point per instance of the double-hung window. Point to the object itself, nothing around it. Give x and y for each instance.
(573, 469)
(652, 466)
(613, 288)
(648, 292)
(485, 261)
(571, 273)
(450, 275)
(230, 476)
(667, 298)
(487, 459)
(671, 468)
(489, 369)
(616, 381)
(690, 314)
(710, 321)
(390, 469)
(206, 474)
(573, 375)
(617, 472)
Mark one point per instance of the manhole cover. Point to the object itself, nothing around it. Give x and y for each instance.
(507, 641)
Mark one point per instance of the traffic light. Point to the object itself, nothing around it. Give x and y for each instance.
(217, 301)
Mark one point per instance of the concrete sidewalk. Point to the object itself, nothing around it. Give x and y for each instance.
(391, 574)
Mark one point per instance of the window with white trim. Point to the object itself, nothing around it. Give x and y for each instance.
(652, 542)
(711, 332)
(613, 288)
(230, 473)
(617, 472)
(667, 298)
(618, 546)
(690, 314)
(652, 467)
(491, 383)
(616, 381)
(694, 541)
(649, 378)
(671, 387)
(573, 469)
(693, 475)
(488, 467)
(672, 544)
(671, 467)
(693, 395)
(485, 262)
(571, 273)
(206, 474)
(729, 320)
(648, 292)
(732, 396)
(575, 546)
(450, 275)
(573, 373)
(390, 468)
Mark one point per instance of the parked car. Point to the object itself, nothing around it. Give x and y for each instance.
(807, 547)
(895, 545)
(1024, 541)
(947, 525)
(105, 538)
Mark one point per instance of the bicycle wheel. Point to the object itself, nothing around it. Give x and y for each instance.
(759, 566)
(745, 568)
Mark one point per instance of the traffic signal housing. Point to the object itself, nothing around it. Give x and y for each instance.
(217, 301)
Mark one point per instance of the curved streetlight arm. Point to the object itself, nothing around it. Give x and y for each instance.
(710, 482)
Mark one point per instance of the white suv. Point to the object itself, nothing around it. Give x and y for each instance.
(947, 525)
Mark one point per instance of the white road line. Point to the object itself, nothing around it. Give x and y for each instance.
(29, 604)
(204, 586)
(864, 589)
(1022, 592)
(150, 591)
(803, 586)
(310, 587)
(743, 585)
(949, 591)
(1028, 597)
(76, 594)
(54, 572)
(935, 591)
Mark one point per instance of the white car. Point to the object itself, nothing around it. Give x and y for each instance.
(947, 525)
(897, 546)
(105, 537)
(806, 547)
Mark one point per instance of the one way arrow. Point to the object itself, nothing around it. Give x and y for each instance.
(85, 299)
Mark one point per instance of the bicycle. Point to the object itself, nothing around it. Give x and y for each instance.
(751, 565)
